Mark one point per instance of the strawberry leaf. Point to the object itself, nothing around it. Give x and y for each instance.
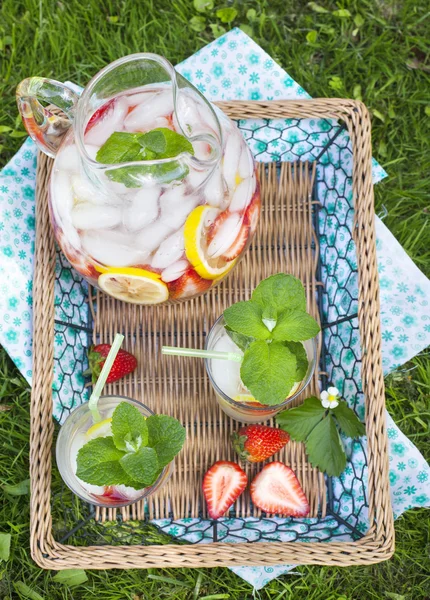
(300, 421)
(325, 449)
(348, 421)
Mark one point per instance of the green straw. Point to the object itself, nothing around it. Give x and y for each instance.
(173, 351)
(100, 383)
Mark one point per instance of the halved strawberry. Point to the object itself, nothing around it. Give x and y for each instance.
(255, 443)
(100, 112)
(252, 213)
(239, 243)
(222, 486)
(276, 490)
(189, 284)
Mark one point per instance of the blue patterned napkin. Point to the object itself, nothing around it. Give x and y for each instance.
(232, 67)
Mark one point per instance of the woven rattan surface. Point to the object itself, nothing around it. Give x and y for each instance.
(285, 241)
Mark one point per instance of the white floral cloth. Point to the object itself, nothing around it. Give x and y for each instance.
(234, 67)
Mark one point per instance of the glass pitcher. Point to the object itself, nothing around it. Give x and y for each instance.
(153, 194)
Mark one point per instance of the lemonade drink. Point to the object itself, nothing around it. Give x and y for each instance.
(78, 430)
(157, 233)
(233, 397)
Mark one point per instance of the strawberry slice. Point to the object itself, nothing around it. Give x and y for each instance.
(239, 243)
(276, 490)
(189, 284)
(252, 213)
(222, 486)
(111, 495)
(100, 112)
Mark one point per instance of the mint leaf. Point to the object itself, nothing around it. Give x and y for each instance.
(278, 292)
(172, 145)
(325, 449)
(5, 539)
(142, 466)
(129, 428)
(98, 462)
(348, 421)
(299, 351)
(120, 147)
(300, 421)
(246, 318)
(154, 140)
(295, 326)
(166, 435)
(243, 341)
(19, 489)
(71, 577)
(268, 371)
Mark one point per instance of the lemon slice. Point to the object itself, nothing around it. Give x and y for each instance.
(245, 398)
(195, 246)
(134, 285)
(101, 429)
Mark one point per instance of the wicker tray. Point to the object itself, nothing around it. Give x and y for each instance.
(287, 240)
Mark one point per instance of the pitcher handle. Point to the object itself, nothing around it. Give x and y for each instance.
(44, 127)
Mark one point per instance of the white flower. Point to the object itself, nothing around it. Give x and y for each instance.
(330, 398)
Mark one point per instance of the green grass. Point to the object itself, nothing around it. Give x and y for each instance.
(73, 40)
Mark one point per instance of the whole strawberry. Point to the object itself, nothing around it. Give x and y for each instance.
(124, 363)
(255, 443)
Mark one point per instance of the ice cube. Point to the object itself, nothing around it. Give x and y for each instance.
(189, 117)
(85, 191)
(242, 195)
(142, 208)
(246, 163)
(176, 213)
(62, 203)
(169, 251)
(175, 271)
(143, 116)
(215, 190)
(231, 159)
(111, 121)
(68, 159)
(150, 237)
(196, 177)
(91, 216)
(225, 236)
(112, 248)
(140, 98)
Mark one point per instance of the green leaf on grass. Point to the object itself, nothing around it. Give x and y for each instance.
(246, 318)
(317, 8)
(342, 13)
(226, 15)
(19, 489)
(325, 449)
(268, 371)
(24, 590)
(5, 539)
(71, 577)
(348, 421)
(358, 20)
(300, 421)
(312, 36)
(295, 326)
(217, 30)
(198, 23)
(203, 5)
(279, 292)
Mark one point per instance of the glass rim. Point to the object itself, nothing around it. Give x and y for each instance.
(146, 491)
(266, 407)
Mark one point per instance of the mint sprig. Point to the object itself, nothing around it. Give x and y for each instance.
(269, 329)
(135, 453)
(319, 429)
(156, 144)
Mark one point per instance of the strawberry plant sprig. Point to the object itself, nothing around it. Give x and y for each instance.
(317, 423)
(270, 328)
